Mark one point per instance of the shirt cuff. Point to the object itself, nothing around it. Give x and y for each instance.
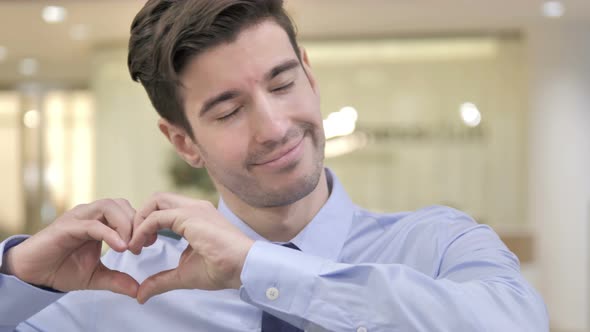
(280, 280)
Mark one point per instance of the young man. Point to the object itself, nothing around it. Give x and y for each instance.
(286, 250)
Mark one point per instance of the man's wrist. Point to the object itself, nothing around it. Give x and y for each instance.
(7, 251)
(237, 280)
(7, 268)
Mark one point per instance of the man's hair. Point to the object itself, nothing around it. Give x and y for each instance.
(167, 34)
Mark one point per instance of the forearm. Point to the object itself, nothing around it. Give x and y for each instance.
(398, 298)
(389, 297)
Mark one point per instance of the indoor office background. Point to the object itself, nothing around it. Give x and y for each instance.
(479, 105)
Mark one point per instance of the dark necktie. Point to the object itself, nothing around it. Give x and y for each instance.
(271, 323)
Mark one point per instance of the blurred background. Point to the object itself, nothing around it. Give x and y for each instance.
(480, 105)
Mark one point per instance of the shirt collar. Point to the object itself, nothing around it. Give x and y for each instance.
(325, 235)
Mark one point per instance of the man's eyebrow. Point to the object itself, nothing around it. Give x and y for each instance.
(220, 98)
(283, 67)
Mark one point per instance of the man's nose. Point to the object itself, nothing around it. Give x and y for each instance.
(270, 122)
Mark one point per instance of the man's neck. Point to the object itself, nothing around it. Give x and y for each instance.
(281, 224)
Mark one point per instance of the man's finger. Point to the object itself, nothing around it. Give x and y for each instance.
(130, 213)
(105, 279)
(159, 283)
(151, 225)
(96, 230)
(160, 201)
(150, 240)
(126, 207)
(108, 211)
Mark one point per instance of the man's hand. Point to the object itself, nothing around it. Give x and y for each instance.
(65, 255)
(214, 257)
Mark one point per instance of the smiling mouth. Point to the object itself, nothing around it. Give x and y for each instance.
(282, 153)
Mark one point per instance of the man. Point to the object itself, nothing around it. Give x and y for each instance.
(286, 250)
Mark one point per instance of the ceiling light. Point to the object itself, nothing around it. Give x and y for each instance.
(29, 66)
(3, 52)
(553, 9)
(54, 14)
(31, 119)
(340, 123)
(470, 115)
(79, 32)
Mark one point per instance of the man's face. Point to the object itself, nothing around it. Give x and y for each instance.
(255, 114)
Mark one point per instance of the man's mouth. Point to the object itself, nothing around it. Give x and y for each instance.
(285, 155)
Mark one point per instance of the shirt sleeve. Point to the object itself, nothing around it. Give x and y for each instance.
(478, 287)
(20, 300)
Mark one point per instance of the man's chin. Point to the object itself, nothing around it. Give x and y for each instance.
(287, 192)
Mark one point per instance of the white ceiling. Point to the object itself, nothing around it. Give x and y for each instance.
(24, 34)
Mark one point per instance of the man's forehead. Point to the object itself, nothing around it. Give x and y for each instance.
(255, 51)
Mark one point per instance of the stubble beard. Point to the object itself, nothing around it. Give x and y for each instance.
(255, 193)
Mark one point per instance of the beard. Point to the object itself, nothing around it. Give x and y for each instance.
(273, 190)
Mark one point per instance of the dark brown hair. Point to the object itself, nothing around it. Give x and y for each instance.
(167, 34)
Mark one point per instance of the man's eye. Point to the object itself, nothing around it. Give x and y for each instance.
(283, 87)
(229, 115)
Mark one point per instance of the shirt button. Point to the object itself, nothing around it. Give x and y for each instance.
(361, 329)
(273, 294)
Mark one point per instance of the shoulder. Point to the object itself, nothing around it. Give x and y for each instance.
(440, 217)
(418, 239)
(434, 224)
(430, 216)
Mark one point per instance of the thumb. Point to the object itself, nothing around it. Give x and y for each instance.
(159, 283)
(106, 279)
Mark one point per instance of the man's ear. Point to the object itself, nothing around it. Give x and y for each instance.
(307, 67)
(182, 142)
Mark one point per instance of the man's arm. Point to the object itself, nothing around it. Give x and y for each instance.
(20, 300)
(478, 288)
(63, 257)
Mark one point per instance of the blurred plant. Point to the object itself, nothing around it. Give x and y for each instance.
(185, 176)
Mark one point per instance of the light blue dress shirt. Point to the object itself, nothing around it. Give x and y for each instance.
(430, 270)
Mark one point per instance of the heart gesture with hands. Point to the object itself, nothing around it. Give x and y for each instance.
(65, 256)
(216, 249)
